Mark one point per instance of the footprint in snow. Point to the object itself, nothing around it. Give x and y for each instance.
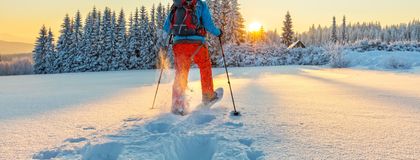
(106, 151)
(50, 154)
(246, 142)
(133, 119)
(234, 125)
(89, 128)
(158, 127)
(254, 155)
(75, 140)
(203, 119)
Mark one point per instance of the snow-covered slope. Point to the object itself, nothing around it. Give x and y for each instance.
(289, 112)
(383, 60)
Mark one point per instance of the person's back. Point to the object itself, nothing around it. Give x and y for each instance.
(189, 21)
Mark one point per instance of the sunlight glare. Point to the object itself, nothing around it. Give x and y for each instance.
(255, 26)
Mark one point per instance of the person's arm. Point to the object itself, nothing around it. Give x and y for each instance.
(167, 25)
(208, 21)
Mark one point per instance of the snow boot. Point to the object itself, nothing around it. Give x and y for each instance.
(218, 95)
(179, 107)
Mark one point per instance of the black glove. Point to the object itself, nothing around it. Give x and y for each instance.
(221, 33)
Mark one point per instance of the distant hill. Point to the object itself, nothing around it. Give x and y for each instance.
(15, 47)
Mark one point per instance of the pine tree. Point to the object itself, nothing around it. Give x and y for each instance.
(418, 30)
(334, 31)
(288, 33)
(153, 17)
(51, 55)
(92, 41)
(40, 52)
(226, 20)
(344, 31)
(64, 46)
(121, 42)
(154, 31)
(215, 7)
(161, 35)
(148, 57)
(76, 44)
(99, 44)
(236, 25)
(262, 34)
(115, 57)
(107, 35)
(89, 44)
(160, 16)
(167, 9)
(134, 41)
(312, 32)
(320, 35)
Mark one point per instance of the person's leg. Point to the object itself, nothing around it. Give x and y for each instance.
(182, 58)
(202, 59)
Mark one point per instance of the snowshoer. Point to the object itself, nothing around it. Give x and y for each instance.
(189, 21)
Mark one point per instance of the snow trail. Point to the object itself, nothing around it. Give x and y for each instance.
(289, 112)
(42, 111)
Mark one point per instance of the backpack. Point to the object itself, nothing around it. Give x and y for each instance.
(184, 19)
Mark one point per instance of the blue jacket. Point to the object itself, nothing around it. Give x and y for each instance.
(203, 13)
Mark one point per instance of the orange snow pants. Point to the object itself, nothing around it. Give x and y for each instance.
(184, 54)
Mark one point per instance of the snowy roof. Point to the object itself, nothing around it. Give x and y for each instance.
(297, 44)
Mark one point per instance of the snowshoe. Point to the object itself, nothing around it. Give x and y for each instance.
(209, 103)
(180, 108)
(180, 112)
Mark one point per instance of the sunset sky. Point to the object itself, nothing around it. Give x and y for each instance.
(20, 20)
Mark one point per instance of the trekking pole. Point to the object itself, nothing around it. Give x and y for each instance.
(235, 112)
(161, 72)
(157, 88)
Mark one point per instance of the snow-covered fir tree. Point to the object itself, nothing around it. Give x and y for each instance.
(51, 56)
(153, 31)
(76, 57)
(90, 42)
(148, 56)
(215, 7)
(355, 32)
(334, 37)
(226, 20)
(115, 57)
(167, 9)
(162, 38)
(102, 42)
(160, 16)
(121, 42)
(40, 52)
(64, 45)
(288, 33)
(107, 36)
(344, 31)
(134, 41)
(153, 17)
(272, 37)
(99, 44)
(238, 25)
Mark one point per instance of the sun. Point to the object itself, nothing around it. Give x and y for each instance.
(254, 26)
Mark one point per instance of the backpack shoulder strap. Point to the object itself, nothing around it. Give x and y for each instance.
(172, 14)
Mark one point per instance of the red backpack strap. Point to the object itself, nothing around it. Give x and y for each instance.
(190, 10)
(194, 3)
(172, 14)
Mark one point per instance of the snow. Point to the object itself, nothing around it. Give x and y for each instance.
(288, 112)
(383, 60)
